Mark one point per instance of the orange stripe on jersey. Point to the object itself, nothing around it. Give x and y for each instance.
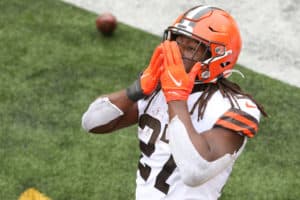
(234, 127)
(239, 121)
(238, 117)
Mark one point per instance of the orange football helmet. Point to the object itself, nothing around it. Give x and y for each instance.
(218, 31)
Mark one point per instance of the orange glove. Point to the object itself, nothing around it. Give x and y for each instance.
(175, 82)
(150, 76)
(148, 81)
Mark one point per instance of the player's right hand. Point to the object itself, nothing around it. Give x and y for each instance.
(176, 83)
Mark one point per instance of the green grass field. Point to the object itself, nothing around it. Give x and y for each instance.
(53, 63)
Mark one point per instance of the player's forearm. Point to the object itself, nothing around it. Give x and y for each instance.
(180, 109)
(190, 150)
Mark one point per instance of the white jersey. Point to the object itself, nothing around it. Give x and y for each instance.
(158, 177)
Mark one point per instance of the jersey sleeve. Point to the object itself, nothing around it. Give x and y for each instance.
(240, 121)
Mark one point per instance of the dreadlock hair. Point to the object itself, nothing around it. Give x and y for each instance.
(228, 89)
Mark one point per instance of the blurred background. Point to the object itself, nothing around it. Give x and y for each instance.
(54, 62)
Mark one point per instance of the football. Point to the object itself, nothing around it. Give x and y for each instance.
(106, 23)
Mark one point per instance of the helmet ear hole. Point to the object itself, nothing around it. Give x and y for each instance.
(224, 64)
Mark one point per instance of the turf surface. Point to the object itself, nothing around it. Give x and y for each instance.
(53, 63)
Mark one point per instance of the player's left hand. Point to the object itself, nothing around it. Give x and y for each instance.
(147, 82)
(150, 77)
(175, 82)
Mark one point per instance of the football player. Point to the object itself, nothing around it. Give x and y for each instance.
(193, 122)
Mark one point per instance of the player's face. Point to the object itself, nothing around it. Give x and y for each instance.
(192, 51)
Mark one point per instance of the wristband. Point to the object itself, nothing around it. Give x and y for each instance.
(134, 91)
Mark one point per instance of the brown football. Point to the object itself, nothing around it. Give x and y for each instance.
(106, 23)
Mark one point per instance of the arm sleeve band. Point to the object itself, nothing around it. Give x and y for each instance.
(193, 168)
(99, 113)
(134, 91)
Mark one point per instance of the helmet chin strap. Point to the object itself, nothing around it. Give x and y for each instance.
(229, 72)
